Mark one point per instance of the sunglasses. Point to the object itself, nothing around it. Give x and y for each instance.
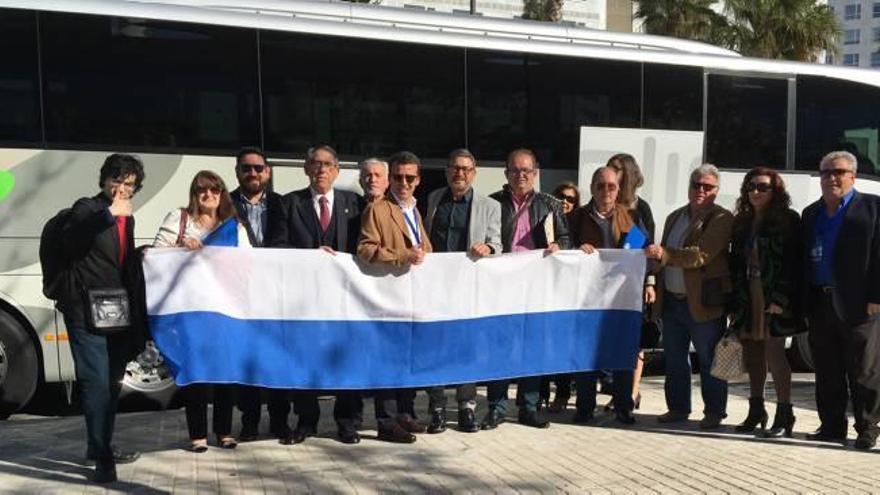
(212, 189)
(702, 186)
(245, 168)
(404, 177)
(838, 173)
(760, 187)
(567, 198)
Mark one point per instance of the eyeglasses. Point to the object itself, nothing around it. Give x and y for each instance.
(134, 186)
(567, 198)
(606, 185)
(760, 187)
(520, 171)
(404, 177)
(702, 186)
(838, 173)
(319, 164)
(246, 168)
(215, 190)
(462, 170)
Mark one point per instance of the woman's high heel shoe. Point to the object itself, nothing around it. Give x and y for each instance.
(637, 401)
(757, 415)
(783, 422)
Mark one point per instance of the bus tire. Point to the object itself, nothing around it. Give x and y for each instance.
(19, 366)
(799, 353)
(147, 383)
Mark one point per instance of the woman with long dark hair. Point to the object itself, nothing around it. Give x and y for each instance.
(765, 272)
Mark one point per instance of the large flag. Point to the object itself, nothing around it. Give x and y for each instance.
(308, 319)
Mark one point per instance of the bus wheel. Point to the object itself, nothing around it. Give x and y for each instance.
(148, 382)
(19, 366)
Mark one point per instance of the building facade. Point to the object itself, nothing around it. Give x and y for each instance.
(860, 40)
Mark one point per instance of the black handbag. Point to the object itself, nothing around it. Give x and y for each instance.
(108, 311)
(785, 325)
(652, 329)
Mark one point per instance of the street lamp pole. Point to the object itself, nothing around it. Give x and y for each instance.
(473, 7)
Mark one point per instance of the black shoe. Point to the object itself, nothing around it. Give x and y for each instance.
(302, 432)
(105, 471)
(438, 421)
(866, 440)
(397, 435)
(284, 435)
(783, 422)
(411, 425)
(349, 436)
(531, 419)
(467, 422)
(248, 434)
(757, 415)
(822, 435)
(625, 417)
(119, 457)
(580, 418)
(491, 420)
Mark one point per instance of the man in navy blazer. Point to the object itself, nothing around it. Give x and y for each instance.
(320, 217)
(842, 254)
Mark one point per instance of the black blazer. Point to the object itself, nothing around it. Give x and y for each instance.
(91, 240)
(297, 225)
(273, 204)
(856, 265)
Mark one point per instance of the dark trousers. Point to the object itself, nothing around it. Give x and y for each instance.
(277, 403)
(529, 387)
(621, 392)
(847, 362)
(347, 409)
(100, 365)
(197, 409)
(465, 395)
(399, 400)
(563, 387)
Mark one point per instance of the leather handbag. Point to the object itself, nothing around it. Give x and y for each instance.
(652, 330)
(728, 364)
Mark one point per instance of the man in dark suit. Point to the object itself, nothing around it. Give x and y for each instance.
(255, 204)
(320, 217)
(842, 253)
(98, 238)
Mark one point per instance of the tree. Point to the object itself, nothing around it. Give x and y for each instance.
(786, 29)
(689, 19)
(543, 10)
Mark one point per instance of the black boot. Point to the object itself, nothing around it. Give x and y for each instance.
(783, 422)
(757, 414)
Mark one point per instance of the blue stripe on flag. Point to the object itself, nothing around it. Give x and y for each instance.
(211, 347)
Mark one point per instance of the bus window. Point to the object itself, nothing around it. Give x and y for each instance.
(148, 84)
(363, 97)
(746, 121)
(19, 94)
(541, 102)
(673, 97)
(837, 115)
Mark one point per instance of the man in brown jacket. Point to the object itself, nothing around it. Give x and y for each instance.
(392, 233)
(695, 282)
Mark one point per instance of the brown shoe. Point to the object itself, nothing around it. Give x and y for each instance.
(711, 421)
(672, 417)
(411, 425)
(397, 435)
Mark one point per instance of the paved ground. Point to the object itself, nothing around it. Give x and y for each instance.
(44, 455)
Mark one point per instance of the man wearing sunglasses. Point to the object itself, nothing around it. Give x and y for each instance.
(841, 233)
(460, 220)
(320, 217)
(695, 279)
(255, 203)
(393, 234)
(530, 220)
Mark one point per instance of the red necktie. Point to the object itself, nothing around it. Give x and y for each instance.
(325, 213)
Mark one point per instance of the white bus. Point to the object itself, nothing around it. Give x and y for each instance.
(184, 84)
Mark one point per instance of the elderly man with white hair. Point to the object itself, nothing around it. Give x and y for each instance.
(695, 283)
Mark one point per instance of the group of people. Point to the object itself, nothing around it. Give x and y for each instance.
(763, 268)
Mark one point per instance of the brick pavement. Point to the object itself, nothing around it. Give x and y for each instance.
(44, 455)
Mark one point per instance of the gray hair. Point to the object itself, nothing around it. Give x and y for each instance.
(310, 154)
(836, 155)
(598, 172)
(706, 169)
(372, 161)
(462, 153)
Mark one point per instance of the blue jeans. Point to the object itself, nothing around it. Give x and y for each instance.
(679, 330)
(100, 365)
(497, 393)
(585, 385)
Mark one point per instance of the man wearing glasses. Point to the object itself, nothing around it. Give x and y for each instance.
(460, 220)
(530, 220)
(255, 204)
(393, 234)
(695, 279)
(98, 239)
(320, 217)
(841, 233)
